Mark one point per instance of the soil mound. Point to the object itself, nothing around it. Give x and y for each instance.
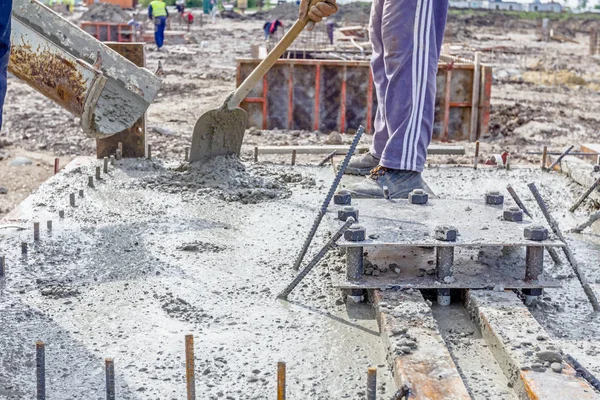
(106, 12)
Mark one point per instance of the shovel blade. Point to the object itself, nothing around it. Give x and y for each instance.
(218, 133)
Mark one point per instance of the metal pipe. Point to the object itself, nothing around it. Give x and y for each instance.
(189, 367)
(534, 262)
(372, 383)
(555, 163)
(566, 249)
(444, 257)
(109, 368)
(329, 245)
(355, 271)
(281, 372)
(40, 367)
(332, 189)
(585, 195)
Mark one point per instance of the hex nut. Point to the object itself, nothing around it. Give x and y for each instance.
(446, 233)
(342, 197)
(355, 233)
(346, 212)
(514, 214)
(494, 197)
(418, 196)
(536, 233)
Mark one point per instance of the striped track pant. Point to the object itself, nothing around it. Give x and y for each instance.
(407, 38)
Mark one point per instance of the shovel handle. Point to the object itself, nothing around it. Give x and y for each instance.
(265, 65)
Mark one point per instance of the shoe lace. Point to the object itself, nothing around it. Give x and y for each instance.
(377, 172)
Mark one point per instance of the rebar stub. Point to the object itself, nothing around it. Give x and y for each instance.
(536, 233)
(494, 197)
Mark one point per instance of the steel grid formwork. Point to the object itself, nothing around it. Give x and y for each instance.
(338, 95)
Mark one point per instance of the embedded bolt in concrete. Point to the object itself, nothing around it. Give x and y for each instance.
(355, 271)
(23, 247)
(2, 267)
(372, 383)
(106, 165)
(514, 214)
(61, 213)
(281, 375)
(109, 368)
(49, 225)
(342, 197)
(187, 154)
(40, 366)
(72, 199)
(446, 233)
(189, 367)
(112, 160)
(494, 197)
(91, 181)
(80, 192)
(444, 257)
(531, 295)
(418, 196)
(98, 173)
(346, 212)
(536, 233)
(355, 233)
(36, 231)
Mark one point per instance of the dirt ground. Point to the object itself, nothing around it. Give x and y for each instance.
(546, 94)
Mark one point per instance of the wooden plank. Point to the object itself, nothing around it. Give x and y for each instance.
(134, 138)
(405, 320)
(515, 338)
(328, 149)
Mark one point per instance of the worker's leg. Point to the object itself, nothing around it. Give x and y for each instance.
(412, 32)
(363, 164)
(412, 42)
(5, 10)
(159, 31)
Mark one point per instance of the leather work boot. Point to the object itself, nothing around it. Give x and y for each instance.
(399, 183)
(361, 164)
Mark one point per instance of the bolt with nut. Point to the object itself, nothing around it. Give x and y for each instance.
(494, 197)
(418, 196)
(536, 233)
(514, 214)
(355, 233)
(446, 233)
(342, 197)
(346, 212)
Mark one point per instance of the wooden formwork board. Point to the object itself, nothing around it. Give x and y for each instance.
(329, 95)
(594, 42)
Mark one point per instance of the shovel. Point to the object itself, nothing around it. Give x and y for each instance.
(220, 132)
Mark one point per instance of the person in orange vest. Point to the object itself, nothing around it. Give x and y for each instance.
(157, 11)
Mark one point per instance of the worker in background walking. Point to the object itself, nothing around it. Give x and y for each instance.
(5, 10)
(157, 11)
(406, 36)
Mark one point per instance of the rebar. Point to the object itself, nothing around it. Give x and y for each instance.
(293, 157)
(372, 383)
(255, 153)
(81, 193)
(329, 157)
(2, 267)
(476, 158)
(281, 380)
(149, 152)
(584, 373)
(332, 189)
(56, 165)
(106, 165)
(36, 231)
(585, 195)
(187, 154)
(517, 200)
(555, 163)
(72, 199)
(544, 157)
(98, 177)
(49, 225)
(23, 247)
(90, 181)
(592, 218)
(189, 367)
(40, 368)
(109, 369)
(328, 246)
(566, 249)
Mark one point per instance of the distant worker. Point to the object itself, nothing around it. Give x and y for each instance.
(270, 27)
(157, 11)
(406, 36)
(5, 10)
